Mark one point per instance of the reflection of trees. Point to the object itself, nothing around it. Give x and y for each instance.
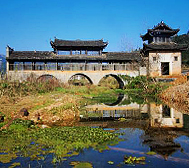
(161, 141)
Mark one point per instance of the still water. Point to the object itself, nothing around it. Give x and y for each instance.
(156, 132)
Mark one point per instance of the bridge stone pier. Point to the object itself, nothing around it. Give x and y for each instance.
(93, 77)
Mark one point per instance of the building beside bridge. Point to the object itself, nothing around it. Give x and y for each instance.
(87, 58)
(163, 56)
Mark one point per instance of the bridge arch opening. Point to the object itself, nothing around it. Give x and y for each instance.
(112, 81)
(80, 79)
(47, 78)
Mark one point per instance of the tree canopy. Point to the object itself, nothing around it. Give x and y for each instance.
(183, 39)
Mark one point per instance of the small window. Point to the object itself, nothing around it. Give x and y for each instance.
(175, 58)
(177, 120)
(154, 59)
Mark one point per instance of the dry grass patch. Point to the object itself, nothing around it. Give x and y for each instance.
(177, 96)
(46, 108)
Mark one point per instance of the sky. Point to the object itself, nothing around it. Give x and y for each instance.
(28, 25)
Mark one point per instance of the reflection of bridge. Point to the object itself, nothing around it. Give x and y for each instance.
(132, 110)
(158, 115)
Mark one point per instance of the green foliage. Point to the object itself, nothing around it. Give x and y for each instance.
(109, 82)
(110, 162)
(183, 39)
(151, 153)
(134, 160)
(24, 123)
(145, 85)
(15, 164)
(62, 141)
(81, 164)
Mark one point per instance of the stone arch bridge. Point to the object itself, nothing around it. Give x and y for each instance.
(93, 77)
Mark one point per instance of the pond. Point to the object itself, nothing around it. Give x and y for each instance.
(120, 133)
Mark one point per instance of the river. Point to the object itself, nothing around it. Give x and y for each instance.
(154, 131)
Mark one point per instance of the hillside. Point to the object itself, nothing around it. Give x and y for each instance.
(183, 39)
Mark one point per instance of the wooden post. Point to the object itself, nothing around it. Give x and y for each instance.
(34, 65)
(56, 65)
(45, 68)
(23, 68)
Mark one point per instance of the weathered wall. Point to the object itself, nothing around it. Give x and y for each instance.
(155, 66)
(64, 76)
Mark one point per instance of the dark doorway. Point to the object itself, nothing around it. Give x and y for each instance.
(166, 112)
(165, 68)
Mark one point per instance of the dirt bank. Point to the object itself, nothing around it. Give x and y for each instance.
(47, 108)
(177, 97)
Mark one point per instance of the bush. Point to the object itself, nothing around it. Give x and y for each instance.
(146, 84)
(31, 86)
(24, 123)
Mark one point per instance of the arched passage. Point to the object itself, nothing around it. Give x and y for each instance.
(79, 79)
(118, 79)
(46, 77)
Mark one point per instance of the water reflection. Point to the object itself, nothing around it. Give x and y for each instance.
(161, 141)
(158, 115)
(120, 98)
(161, 124)
(164, 116)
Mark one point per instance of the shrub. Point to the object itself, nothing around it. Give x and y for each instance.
(31, 86)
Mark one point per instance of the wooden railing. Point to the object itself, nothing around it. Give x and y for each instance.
(74, 67)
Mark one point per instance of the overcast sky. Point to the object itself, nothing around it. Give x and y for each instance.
(30, 24)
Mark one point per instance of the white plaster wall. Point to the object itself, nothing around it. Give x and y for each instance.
(155, 66)
(64, 76)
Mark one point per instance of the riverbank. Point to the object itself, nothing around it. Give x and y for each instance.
(177, 97)
(48, 103)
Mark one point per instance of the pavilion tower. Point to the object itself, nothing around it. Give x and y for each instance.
(163, 55)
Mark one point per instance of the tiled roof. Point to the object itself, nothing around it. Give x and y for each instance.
(161, 27)
(30, 54)
(78, 43)
(48, 55)
(165, 46)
